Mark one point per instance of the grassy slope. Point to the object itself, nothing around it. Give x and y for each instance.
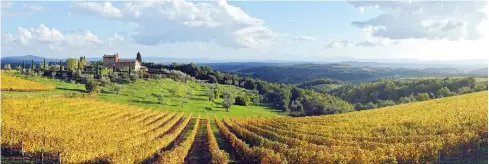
(133, 94)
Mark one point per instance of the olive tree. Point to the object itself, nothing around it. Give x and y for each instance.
(228, 101)
(117, 88)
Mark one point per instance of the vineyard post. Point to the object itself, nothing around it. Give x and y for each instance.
(22, 151)
(478, 147)
(439, 156)
(59, 157)
(461, 153)
(42, 156)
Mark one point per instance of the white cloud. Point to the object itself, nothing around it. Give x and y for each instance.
(161, 22)
(105, 9)
(49, 38)
(303, 38)
(33, 8)
(25, 9)
(372, 42)
(115, 39)
(484, 25)
(424, 19)
(339, 43)
(45, 41)
(376, 42)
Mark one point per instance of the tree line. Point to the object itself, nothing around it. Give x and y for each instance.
(391, 92)
(298, 73)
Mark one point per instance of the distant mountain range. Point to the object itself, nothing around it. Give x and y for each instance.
(236, 66)
(298, 73)
(475, 67)
(16, 60)
(481, 72)
(465, 65)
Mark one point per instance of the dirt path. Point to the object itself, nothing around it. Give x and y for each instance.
(225, 145)
(199, 153)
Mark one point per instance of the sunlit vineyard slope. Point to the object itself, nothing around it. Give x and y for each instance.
(11, 83)
(85, 130)
(410, 133)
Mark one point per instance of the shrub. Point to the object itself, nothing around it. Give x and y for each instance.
(404, 100)
(296, 106)
(7, 67)
(117, 88)
(464, 90)
(74, 95)
(422, 96)
(444, 92)
(242, 100)
(369, 105)
(358, 106)
(92, 87)
(114, 76)
(384, 103)
(210, 95)
(104, 81)
(183, 100)
(134, 77)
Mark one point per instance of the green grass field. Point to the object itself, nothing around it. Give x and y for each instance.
(141, 93)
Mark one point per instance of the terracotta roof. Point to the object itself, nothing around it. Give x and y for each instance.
(110, 56)
(127, 61)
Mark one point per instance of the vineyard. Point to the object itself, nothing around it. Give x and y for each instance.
(410, 133)
(88, 130)
(85, 130)
(11, 83)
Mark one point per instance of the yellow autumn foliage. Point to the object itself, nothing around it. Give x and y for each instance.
(11, 83)
(408, 133)
(84, 129)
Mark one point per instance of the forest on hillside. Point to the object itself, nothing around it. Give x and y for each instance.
(294, 74)
(391, 92)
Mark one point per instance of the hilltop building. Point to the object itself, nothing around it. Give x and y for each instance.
(113, 61)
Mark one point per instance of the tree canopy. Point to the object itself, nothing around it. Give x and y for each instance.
(405, 91)
(72, 64)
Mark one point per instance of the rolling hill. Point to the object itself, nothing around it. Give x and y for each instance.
(17, 60)
(298, 73)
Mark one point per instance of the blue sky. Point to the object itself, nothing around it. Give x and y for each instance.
(247, 31)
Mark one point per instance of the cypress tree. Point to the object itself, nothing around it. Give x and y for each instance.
(138, 57)
(23, 64)
(60, 66)
(96, 70)
(44, 67)
(129, 71)
(82, 63)
(32, 64)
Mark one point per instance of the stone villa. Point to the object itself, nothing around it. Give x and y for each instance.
(113, 61)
